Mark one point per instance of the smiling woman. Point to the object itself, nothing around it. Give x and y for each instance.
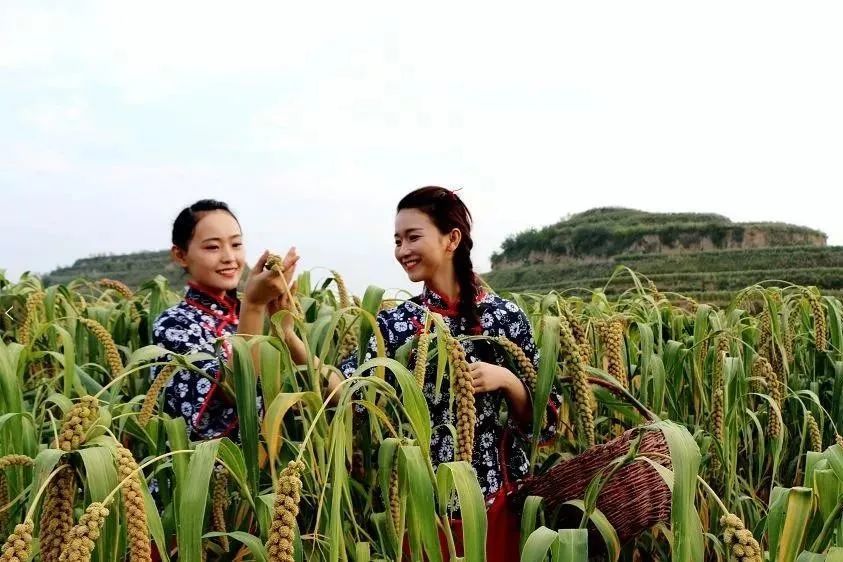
(433, 244)
(208, 244)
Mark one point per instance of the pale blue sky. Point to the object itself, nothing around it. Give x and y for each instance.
(312, 120)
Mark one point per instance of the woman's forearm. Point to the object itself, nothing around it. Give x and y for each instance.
(251, 319)
(520, 404)
(298, 351)
(251, 324)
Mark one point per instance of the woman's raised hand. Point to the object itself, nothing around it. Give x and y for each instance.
(265, 285)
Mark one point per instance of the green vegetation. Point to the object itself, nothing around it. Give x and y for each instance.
(605, 232)
(704, 256)
(132, 269)
(737, 413)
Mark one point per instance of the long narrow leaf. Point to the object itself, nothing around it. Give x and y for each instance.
(194, 498)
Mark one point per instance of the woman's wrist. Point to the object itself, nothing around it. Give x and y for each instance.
(512, 385)
(518, 397)
(249, 305)
(289, 335)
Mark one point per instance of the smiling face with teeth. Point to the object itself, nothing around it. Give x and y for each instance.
(215, 256)
(425, 253)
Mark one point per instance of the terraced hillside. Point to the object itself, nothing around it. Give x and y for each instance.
(704, 256)
(132, 269)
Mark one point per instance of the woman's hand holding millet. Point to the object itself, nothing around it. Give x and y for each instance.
(488, 377)
(265, 286)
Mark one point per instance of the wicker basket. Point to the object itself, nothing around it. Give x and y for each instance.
(633, 500)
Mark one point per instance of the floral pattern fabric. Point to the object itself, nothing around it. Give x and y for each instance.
(500, 449)
(193, 326)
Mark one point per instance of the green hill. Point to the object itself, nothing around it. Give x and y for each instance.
(703, 255)
(132, 269)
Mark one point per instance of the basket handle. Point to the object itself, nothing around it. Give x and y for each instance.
(621, 393)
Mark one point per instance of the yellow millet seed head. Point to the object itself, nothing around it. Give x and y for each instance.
(525, 366)
(342, 290)
(112, 355)
(77, 422)
(787, 334)
(702, 350)
(728, 535)
(464, 395)
(116, 286)
(581, 337)
(279, 544)
(765, 329)
(774, 426)
(15, 460)
(723, 345)
(583, 399)
(34, 303)
(838, 440)
(220, 504)
(757, 384)
(721, 351)
(133, 502)
(773, 383)
(776, 359)
(612, 335)
(276, 262)
(394, 494)
(153, 393)
(739, 540)
(744, 537)
(733, 521)
(717, 414)
(814, 435)
(57, 514)
(18, 545)
(348, 344)
(420, 367)
(794, 323)
(762, 369)
(81, 538)
(820, 329)
(657, 295)
(692, 304)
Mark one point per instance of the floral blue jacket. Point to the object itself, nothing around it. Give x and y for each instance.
(500, 449)
(193, 326)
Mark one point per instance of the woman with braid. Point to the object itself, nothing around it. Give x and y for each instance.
(433, 244)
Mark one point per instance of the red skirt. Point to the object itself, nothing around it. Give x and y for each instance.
(503, 531)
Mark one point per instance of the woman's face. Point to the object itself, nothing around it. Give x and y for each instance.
(419, 246)
(215, 256)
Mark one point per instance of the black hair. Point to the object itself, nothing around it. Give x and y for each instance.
(185, 224)
(447, 212)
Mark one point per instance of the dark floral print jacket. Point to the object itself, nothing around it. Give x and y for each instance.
(193, 326)
(496, 444)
